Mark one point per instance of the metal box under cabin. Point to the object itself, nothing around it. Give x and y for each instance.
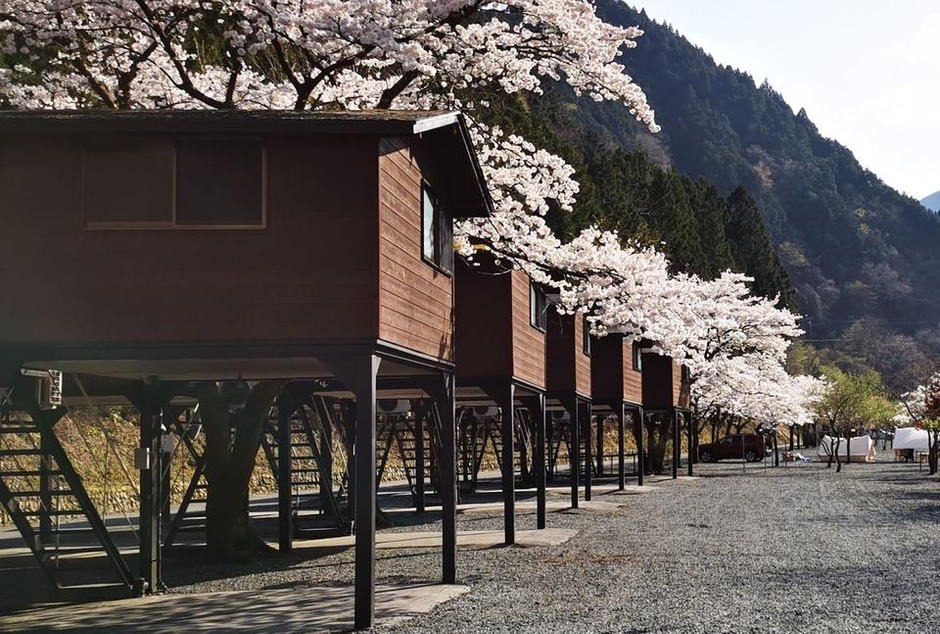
(498, 332)
(617, 370)
(664, 383)
(244, 233)
(569, 350)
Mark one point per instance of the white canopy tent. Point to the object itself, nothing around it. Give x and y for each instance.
(911, 438)
(861, 448)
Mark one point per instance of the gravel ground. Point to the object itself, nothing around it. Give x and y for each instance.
(797, 548)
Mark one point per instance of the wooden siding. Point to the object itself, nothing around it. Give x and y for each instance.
(582, 361)
(569, 369)
(608, 368)
(528, 342)
(415, 299)
(632, 379)
(658, 381)
(311, 275)
(612, 375)
(483, 330)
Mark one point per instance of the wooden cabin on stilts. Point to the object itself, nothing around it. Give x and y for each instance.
(617, 390)
(500, 348)
(666, 395)
(568, 353)
(155, 251)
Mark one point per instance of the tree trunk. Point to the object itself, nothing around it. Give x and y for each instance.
(932, 456)
(660, 429)
(232, 443)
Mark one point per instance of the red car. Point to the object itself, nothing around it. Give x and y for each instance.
(737, 446)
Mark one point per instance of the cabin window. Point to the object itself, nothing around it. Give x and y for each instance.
(685, 374)
(128, 182)
(587, 336)
(637, 357)
(538, 308)
(166, 183)
(437, 233)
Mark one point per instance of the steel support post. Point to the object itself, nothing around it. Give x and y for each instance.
(536, 406)
(326, 458)
(691, 441)
(474, 465)
(285, 525)
(447, 465)
(151, 498)
(421, 412)
(599, 452)
(45, 487)
(640, 445)
(348, 421)
(621, 447)
(588, 460)
(364, 373)
(507, 406)
(676, 443)
(574, 448)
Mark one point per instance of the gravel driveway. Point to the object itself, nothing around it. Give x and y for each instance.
(792, 549)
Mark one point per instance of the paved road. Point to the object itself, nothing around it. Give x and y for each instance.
(795, 549)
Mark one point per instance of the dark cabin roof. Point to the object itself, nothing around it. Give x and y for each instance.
(444, 133)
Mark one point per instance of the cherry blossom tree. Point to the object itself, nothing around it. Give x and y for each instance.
(411, 54)
(921, 407)
(338, 54)
(333, 54)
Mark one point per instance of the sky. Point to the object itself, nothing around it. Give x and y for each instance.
(867, 72)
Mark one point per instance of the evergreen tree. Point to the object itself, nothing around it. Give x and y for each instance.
(751, 249)
(677, 223)
(712, 213)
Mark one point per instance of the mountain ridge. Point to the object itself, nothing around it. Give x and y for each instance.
(854, 247)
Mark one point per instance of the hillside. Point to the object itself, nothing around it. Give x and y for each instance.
(700, 229)
(854, 247)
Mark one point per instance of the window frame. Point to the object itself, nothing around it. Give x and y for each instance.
(172, 224)
(637, 352)
(538, 320)
(587, 342)
(443, 241)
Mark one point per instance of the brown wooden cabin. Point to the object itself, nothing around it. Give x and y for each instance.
(206, 245)
(569, 354)
(665, 384)
(500, 351)
(617, 390)
(666, 394)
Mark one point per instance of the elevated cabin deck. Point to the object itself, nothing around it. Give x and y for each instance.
(246, 245)
(228, 243)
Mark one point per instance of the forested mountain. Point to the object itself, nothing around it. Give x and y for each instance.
(854, 247)
(932, 202)
(699, 228)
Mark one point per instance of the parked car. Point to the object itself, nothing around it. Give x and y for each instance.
(749, 446)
